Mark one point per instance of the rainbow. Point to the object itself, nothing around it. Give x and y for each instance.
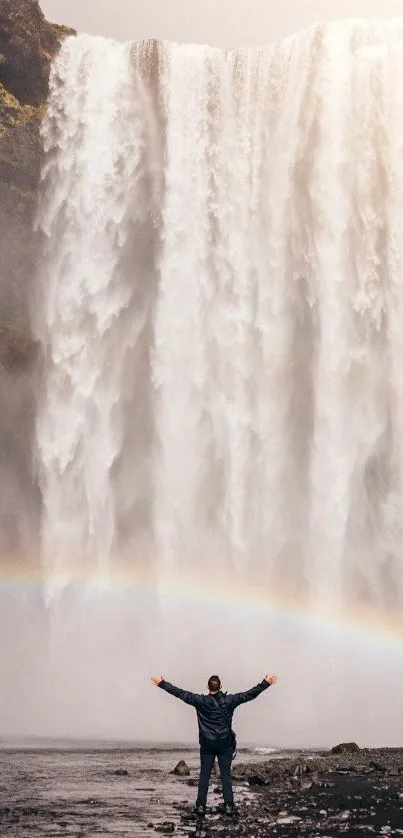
(373, 627)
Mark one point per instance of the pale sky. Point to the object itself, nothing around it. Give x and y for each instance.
(224, 23)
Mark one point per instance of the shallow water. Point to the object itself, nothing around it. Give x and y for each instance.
(58, 789)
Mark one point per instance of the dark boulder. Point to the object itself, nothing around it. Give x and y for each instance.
(181, 769)
(306, 785)
(300, 768)
(316, 765)
(346, 748)
(311, 766)
(258, 780)
(380, 767)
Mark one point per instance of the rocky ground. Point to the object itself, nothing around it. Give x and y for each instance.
(100, 792)
(353, 794)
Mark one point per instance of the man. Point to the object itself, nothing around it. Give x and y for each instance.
(216, 737)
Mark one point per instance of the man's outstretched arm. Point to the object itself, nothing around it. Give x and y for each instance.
(250, 695)
(184, 695)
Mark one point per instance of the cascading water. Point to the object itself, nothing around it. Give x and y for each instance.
(222, 314)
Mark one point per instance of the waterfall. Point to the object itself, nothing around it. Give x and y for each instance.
(220, 302)
(98, 274)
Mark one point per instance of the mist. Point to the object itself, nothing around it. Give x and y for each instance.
(202, 465)
(229, 24)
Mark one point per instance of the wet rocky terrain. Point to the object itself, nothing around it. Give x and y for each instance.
(94, 792)
(349, 794)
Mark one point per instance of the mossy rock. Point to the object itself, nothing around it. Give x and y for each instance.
(27, 43)
(7, 99)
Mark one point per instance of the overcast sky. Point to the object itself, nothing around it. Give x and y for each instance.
(223, 22)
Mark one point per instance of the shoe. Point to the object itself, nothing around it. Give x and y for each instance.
(230, 811)
(200, 810)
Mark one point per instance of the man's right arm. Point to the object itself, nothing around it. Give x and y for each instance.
(250, 695)
(184, 695)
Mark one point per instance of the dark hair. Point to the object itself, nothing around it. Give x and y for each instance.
(214, 684)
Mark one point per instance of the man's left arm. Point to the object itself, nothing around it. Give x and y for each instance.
(250, 695)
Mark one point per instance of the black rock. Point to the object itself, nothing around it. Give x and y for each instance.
(121, 772)
(167, 827)
(306, 785)
(357, 768)
(316, 765)
(378, 766)
(300, 768)
(346, 748)
(181, 769)
(258, 780)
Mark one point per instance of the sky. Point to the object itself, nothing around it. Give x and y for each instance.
(226, 23)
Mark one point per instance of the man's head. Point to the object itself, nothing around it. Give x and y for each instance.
(214, 684)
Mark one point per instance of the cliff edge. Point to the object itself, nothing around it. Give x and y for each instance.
(28, 44)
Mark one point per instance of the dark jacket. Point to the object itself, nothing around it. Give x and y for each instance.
(214, 713)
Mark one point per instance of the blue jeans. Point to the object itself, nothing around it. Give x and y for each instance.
(206, 766)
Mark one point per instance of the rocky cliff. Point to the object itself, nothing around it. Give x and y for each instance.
(28, 44)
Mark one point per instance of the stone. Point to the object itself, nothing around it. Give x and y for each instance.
(316, 765)
(121, 772)
(167, 827)
(358, 768)
(181, 769)
(346, 748)
(378, 766)
(288, 819)
(306, 785)
(300, 768)
(258, 780)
